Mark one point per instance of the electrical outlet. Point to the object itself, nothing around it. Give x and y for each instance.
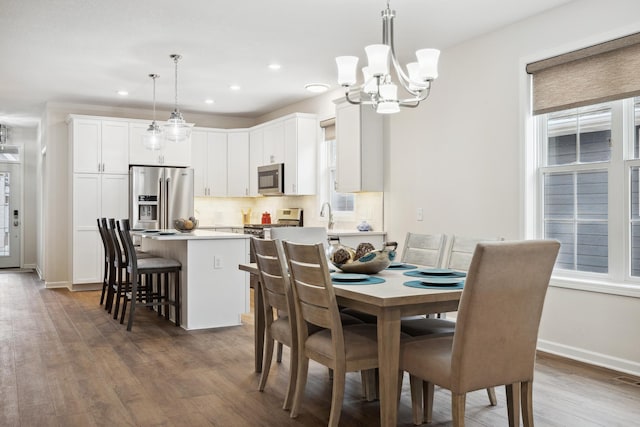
(217, 262)
(419, 214)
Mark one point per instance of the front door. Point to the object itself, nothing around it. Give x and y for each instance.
(10, 215)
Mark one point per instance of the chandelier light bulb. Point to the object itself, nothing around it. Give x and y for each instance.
(416, 82)
(370, 84)
(378, 57)
(347, 70)
(428, 60)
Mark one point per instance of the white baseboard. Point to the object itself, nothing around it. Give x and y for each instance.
(86, 287)
(590, 357)
(54, 285)
(31, 266)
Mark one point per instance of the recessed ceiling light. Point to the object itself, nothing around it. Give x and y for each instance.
(316, 87)
(274, 66)
(123, 93)
(208, 101)
(234, 87)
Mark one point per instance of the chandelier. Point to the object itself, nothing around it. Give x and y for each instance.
(152, 138)
(177, 129)
(378, 88)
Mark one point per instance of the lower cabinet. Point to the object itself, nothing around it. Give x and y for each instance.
(94, 196)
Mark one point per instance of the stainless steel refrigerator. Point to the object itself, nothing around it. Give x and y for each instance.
(159, 195)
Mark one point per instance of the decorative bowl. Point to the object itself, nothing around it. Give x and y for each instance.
(371, 262)
(185, 225)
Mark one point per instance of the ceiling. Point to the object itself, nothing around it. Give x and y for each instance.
(84, 51)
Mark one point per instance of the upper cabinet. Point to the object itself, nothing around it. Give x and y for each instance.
(173, 153)
(238, 163)
(300, 148)
(99, 146)
(220, 159)
(291, 140)
(359, 142)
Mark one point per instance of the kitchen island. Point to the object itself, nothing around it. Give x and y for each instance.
(214, 293)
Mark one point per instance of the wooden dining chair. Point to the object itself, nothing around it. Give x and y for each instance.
(341, 348)
(106, 269)
(426, 250)
(278, 297)
(496, 332)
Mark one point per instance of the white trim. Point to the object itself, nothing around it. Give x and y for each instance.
(30, 266)
(599, 286)
(55, 285)
(590, 357)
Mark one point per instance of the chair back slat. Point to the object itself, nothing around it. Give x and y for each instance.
(314, 296)
(499, 313)
(424, 249)
(274, 279)
(124, 231)
(461, 251)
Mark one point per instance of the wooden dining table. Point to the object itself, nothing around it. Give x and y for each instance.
(389, 301)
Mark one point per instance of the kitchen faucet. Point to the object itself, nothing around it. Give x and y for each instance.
(330, 219)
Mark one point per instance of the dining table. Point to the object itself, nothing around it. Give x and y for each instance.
(396, 296)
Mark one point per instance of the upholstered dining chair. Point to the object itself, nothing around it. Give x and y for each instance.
(494, 342)
(278, 296)
(340, 348)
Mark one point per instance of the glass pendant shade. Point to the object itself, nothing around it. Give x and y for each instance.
(389, 102)
(428, 60)
(176, 129)
(153, 138)
(378, 57)
(347, 70)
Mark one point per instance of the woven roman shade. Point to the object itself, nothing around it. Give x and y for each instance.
(595, 74)
(329, 127)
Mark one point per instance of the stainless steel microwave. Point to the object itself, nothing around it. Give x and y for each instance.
(271, 179)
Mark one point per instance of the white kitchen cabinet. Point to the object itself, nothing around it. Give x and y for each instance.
(99, 146)
(300, 148)
(173, 153)
(273, 143)
(256, 149)
(94, 196)
(209, 161)
(359, 142)
(238, 163)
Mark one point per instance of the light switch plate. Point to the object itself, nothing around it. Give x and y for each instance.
(419, 214)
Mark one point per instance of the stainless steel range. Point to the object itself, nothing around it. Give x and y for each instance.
(291, 217)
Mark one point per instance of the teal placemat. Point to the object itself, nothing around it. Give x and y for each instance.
(401, 267)
(421, 285)
(417, 273)
(368, 281)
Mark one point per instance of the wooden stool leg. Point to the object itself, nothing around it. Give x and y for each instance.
(513, 404)
(176, 298)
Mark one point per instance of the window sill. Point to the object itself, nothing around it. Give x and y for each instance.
(599, 286)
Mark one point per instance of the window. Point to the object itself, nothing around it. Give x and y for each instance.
(340, 202)
(589, 181)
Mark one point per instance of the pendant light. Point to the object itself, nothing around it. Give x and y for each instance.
(378, 88)
(152, 138)
(176, 129)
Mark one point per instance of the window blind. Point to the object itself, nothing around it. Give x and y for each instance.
(592, 75)
(329, 127)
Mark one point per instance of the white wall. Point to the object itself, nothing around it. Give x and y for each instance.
(460, 157)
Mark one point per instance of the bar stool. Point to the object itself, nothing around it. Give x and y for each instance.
(142, 295)
(105, 279)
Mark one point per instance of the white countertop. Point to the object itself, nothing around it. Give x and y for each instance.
(355, 233)
(194, 235)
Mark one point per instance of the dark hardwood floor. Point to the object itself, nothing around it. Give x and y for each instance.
(65, 362)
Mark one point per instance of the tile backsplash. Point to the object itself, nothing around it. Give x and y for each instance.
(228, 211)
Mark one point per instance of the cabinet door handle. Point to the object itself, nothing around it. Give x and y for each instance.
(98, 167)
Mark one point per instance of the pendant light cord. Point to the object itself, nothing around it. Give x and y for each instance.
(175, 60)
